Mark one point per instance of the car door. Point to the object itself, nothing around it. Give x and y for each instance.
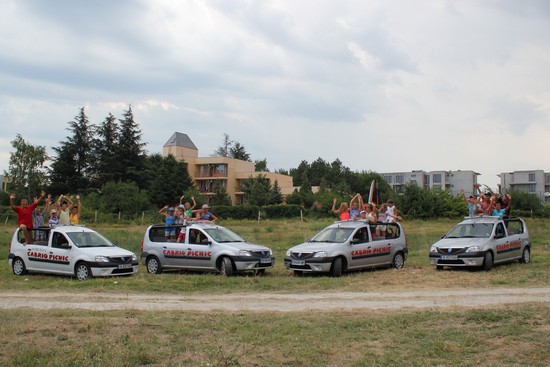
(382, 245)
(199, 250)
(173, 252)
(59, 254)
(360, 247)
(35, 255)
(514, 234)
(502, 243)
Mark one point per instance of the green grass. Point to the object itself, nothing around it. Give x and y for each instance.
(282, 234)
(510, 335)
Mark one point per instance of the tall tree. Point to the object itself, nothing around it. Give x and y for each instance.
(130, 150)
(166, 179)
(26, 171)
(237, 151)
(276, 196)
(223, 150)
(73, 165)
(257, 190)
(107, 164)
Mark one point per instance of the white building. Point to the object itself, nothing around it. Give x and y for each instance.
(451, 181)
(535, 182)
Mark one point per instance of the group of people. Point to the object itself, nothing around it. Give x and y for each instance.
(182, 214)
(489, 204)
(60, 212)
(359, 210)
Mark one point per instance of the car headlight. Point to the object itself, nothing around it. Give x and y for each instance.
(473, 249)
(244, 253)
(134, 257)
(433, 249)
(287, 253)
(320, 254)
(102, 259)
(270, 252)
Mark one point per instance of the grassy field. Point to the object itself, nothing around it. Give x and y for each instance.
(507, 335)
(514, 335)
(280, 235)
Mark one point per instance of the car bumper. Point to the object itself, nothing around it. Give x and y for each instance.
(322, 264)
(245, 263)
(462, 260)
(108, 270)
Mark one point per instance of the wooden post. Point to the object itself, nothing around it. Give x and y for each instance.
(119, 215)
(95, 217)
(301, 215)
(259, 216)
(142, 217)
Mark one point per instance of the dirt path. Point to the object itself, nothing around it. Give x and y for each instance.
(274, 302)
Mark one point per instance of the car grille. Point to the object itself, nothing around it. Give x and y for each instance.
(121, 260)
(122, 271)
(300, 267)
(454, 251)
(261, 253)
(301, 255)
(450, 262)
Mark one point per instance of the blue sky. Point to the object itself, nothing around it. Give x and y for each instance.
(382, 85)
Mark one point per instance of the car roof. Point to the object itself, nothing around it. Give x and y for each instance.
(68, 228)
(205, 225)
(348, 224)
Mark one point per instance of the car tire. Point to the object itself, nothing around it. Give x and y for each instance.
(488, 261)
(525, 256)
(398, 260)
(337, 268)
(226, 267)
(18, 266)
(82, 271)
(153, 265)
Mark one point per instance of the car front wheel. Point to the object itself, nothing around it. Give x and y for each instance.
(337, 267)
(488, 261)
(526, 256)
(153, 265)
(226, 267)
(82, 271)
(18, 267)
(398, 260)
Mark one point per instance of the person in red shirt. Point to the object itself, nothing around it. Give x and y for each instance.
(24, 214)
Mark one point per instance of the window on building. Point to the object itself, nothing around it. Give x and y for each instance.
(437, 178)
(532, 188)
(548, 179)
(399, 179)
(532, 177)
(387, 179)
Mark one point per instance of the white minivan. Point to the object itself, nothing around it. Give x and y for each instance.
(69, 250)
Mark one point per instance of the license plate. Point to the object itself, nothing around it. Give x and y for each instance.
(125, 266)
(265, 260)
(298, 262)
(449, 257)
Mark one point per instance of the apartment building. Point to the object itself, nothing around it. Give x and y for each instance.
(451, 181)
(208, 173)
(535, 182)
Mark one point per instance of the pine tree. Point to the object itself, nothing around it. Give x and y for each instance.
(105, 151)
(130, 150)
(73, 166)
(276, 194)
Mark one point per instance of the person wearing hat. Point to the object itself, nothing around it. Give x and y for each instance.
(169, 219)
(205, 215)
(54, 218)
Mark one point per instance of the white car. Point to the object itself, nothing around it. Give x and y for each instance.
(482, 242)
(203, 246)
(70, 250)
(350, 245)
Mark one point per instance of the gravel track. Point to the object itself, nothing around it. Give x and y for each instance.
(265, 302)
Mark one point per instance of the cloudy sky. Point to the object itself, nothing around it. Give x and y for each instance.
(382, 85)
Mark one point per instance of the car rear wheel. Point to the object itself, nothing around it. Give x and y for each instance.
(82, 271)
(153, 265)
(337, 267)
(18, 267)
(526, 256)
(488, 261)
(226, 267)
(398, 260)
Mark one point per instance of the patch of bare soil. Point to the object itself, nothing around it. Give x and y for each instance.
(262, 302)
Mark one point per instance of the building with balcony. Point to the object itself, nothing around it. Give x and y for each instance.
(451, 181)
(535, 182)
(209, 173)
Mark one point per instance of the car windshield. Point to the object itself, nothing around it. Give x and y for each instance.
(338, 235)
(89, 239)
(222, 235)
(471, 230)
